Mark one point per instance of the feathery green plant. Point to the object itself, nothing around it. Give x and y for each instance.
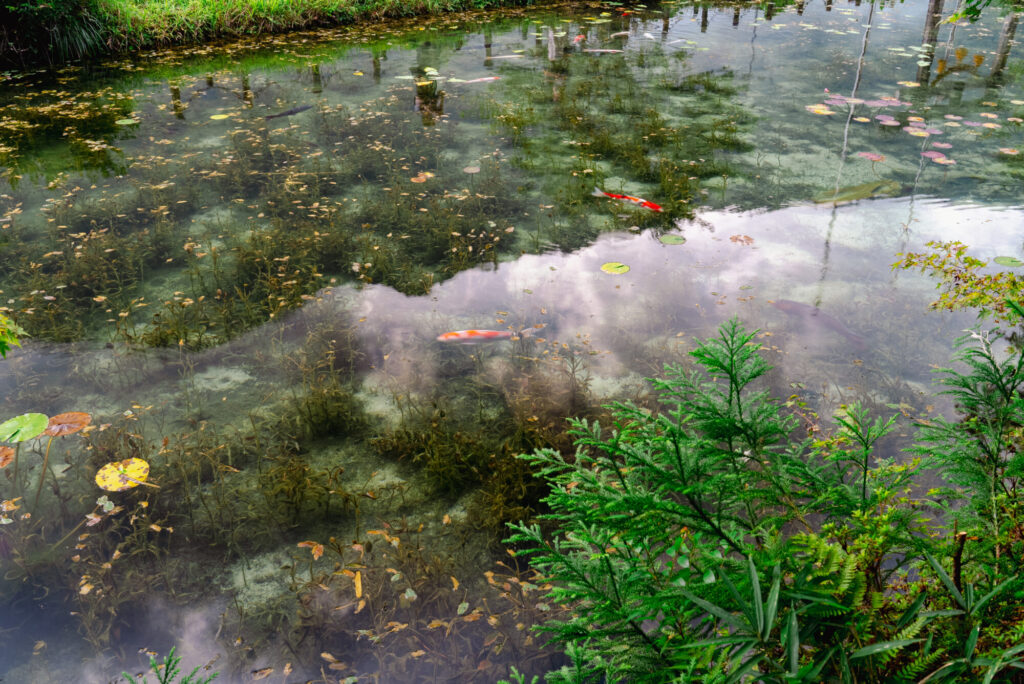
(167, 672)
(705, 541)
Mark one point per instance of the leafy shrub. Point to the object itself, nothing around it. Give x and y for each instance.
(710, 542)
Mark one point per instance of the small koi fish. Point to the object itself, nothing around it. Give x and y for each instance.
(602, 51)
(598, 192)
(290, 112)
(620, 34)
(474, 336)
(485, 79)
(578, 39)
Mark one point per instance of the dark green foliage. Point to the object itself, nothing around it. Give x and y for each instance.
(706, 542)
(52, 31)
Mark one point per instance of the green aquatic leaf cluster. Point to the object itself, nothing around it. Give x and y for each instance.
(725, 536)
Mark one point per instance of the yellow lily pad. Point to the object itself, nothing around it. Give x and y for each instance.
(614, 267)
(121, 475)
(218, 117)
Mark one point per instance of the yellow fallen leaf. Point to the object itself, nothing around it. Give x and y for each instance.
(358, 580)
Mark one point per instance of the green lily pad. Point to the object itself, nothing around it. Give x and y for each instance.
(23, 427)
(1008, 261)
(614, 267)
(672, 239)
(126, 122)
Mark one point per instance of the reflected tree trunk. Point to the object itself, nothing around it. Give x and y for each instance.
(736, 17)
(318, 84)
(1005, 45)
(246, 90)
(932, 21)
(704, 19)
(179, 108)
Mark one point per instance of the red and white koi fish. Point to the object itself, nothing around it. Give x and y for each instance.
(598, 192)
(475, 336)
(484, 79)
(578, 39)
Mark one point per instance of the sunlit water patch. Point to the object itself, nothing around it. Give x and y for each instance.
(238, 260)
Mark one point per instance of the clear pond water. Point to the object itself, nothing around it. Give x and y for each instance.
(238, 258)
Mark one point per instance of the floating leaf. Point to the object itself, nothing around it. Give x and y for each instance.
(218, 117)
(409, 594)
(471, 169)
(614, 267)
(672, 239)
(126, 122)
(1008, 261)
(463, 607)
(6, 456)
(23, 427)
(121, 475)
(67, 423)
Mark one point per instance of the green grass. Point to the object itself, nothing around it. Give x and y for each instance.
(88, 28)
(134, 23)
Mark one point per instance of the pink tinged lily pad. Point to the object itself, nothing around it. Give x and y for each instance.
(836, 103)
(877, 103)
(933, 154)
(1015, 119)
(991, 125)
(945, 161)
(916, 124)
(972, 124)
(1009, 150)
(872, 156)
(884, 117)
(890, 123)
(916, 132)
(953, 117)
(933, 131)
(941, 145)
(914, 118)
(951, 124)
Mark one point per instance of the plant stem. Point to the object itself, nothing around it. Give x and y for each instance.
(42, 475)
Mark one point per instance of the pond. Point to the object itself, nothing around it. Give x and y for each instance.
(241, 260)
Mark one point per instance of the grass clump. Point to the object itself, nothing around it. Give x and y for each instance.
(712, 540)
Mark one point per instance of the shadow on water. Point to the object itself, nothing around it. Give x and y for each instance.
(238, 259)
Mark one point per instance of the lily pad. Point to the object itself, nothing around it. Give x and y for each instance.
(67, 423)
(672, 239)
(614, 267)
(1008, 261)
(23, 427)
(121, 475)
(126, 122)
(218, 117)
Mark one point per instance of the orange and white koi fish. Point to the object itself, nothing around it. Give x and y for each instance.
(474, 336)
(598, 192)
(579, 39)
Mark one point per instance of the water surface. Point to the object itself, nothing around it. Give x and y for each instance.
(237, 258)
